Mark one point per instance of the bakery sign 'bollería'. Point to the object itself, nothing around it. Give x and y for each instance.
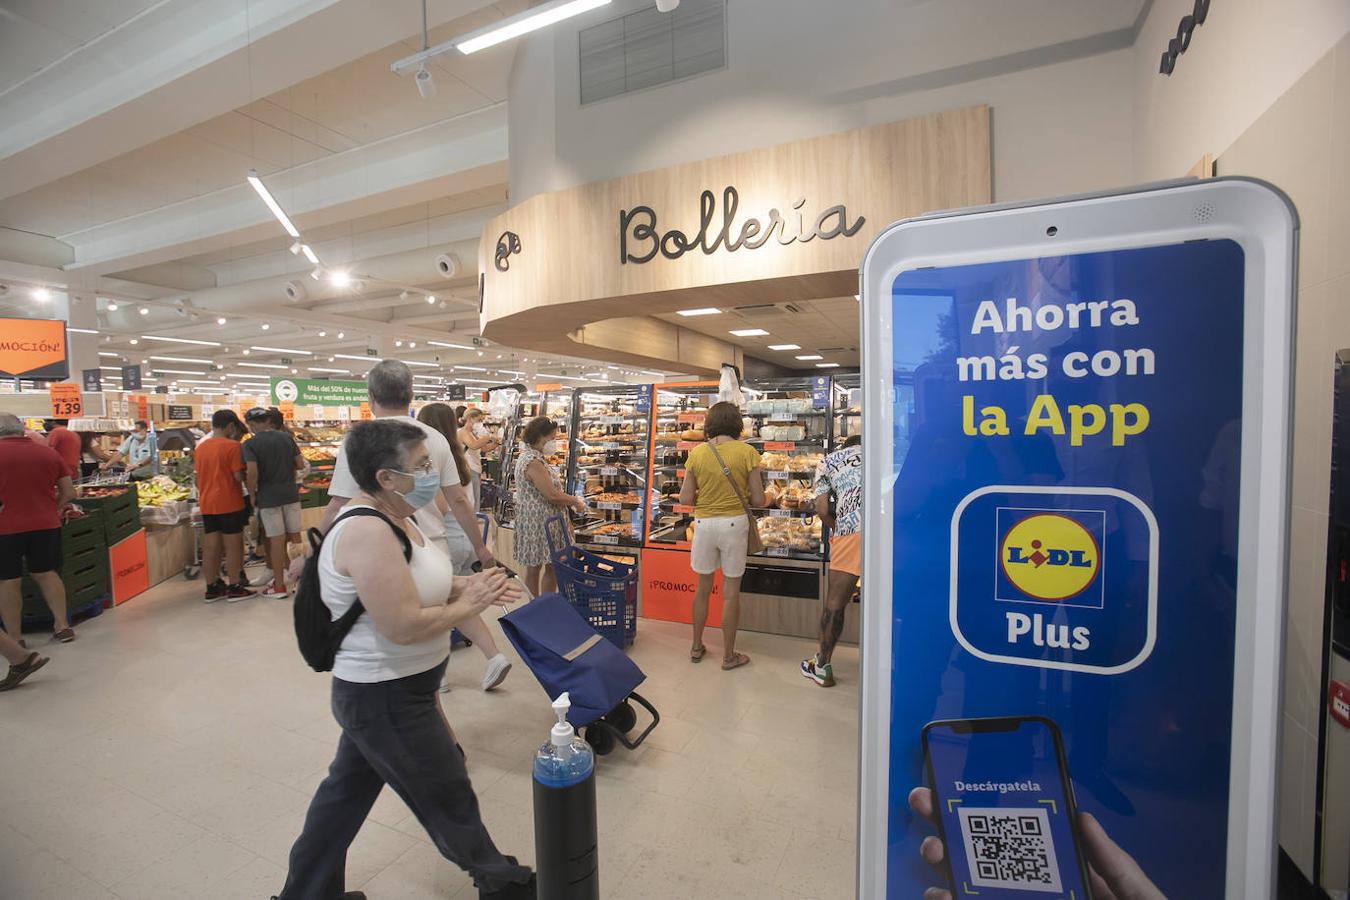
(640, 238)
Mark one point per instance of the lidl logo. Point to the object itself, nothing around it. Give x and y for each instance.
(1050, 556)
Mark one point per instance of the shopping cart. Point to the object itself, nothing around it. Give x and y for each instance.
(566, 654)
(602, 590)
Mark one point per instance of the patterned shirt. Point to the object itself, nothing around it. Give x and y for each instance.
(841, 474)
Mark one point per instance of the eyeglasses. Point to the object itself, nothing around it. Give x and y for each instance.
(423, 469)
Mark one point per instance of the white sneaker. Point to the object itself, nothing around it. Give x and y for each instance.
(497, 670)
(445, 683)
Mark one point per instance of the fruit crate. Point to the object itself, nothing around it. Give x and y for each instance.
(85, 578)
(83, 532)
(120, 509)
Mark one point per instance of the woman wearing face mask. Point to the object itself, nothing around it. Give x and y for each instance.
(387, 671)
(539, 497)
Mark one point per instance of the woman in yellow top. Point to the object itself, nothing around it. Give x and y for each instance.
(720, 477)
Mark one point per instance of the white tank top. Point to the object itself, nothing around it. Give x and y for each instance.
(366, 656)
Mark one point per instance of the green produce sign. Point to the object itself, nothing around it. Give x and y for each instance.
(326, 393)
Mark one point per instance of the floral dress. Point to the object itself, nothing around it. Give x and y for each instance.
(532, 511)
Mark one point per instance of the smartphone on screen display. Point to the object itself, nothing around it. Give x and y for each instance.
(1005, 808)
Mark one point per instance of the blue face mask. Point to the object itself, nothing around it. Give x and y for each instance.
(425, 486)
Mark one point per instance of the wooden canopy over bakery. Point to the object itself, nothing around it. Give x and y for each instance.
(600, 269)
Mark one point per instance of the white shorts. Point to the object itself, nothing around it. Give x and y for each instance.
(720, 542)
(280, 520)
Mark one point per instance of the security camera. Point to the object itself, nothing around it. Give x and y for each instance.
(447, 264)
(425, 86)
(4, 289)
(666, 5)
(295, 291)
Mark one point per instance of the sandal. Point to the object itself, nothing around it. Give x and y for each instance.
(696, 654)
(734, 662)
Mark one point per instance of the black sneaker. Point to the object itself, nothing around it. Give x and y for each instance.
(214, 591)
(236, 592)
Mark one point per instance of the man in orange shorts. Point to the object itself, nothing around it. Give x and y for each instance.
(838, 478)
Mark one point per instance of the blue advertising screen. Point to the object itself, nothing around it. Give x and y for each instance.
(1065, 508)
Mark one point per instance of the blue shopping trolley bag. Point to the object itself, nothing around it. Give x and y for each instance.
(567, 654)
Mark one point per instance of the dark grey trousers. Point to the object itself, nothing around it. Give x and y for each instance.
(393, 733)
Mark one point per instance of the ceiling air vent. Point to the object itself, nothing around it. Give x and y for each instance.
(768, 309)
(649, 48)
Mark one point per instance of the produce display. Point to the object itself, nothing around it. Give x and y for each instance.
(161, 491)
(320, 454)
(101, 492)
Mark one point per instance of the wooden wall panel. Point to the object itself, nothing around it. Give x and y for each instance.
(568, 271)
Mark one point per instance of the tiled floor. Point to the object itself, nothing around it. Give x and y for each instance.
(172, 750)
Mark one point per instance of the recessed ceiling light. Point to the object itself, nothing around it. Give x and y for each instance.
(431, 298)
(41, 293)
(253, 365)
(412, 345)
(785, 346)
(811, 356)
(282, 350)
(749, 332)
(341, 335)
(398, 343)
(221, 320)
(134, 342)
(827, 365)
(266, 327)
(112, 306)
(144, 310)
(701, 311)
(323, 334)
(339, 278)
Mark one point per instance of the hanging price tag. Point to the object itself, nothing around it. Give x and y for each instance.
(365, 412)
(779, 445)
(344, 413)
(287, 408)
(65, 400)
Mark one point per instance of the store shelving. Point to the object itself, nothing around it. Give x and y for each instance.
(505, 414)
(608, 463)
(677, 417)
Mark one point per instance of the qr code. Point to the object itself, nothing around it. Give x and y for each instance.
(1010, 848)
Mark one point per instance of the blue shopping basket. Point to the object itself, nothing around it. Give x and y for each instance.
(602, 590)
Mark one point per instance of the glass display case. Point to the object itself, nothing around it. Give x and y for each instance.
(677, 417)
(789, 421)
(506, 404)
(846, 408)
(608, 463)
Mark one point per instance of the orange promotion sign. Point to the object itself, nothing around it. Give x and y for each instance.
(365, 412)
(130, 571)
(669, 585)
(287, 408)
(65, 399)
(141, 407)
(548, 386)
(33, 348)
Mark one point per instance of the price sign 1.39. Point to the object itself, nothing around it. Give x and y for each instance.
(66, 402)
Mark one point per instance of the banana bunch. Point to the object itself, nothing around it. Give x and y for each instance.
(159, 491)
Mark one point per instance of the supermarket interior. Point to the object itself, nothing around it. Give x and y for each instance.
(727, 329)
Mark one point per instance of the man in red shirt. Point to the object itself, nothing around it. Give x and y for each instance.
(66, 443)
(34, 487)
(220, 495)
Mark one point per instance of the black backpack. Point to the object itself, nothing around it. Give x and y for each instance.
(317, 633)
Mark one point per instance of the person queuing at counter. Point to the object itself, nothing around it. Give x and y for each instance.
(719, 476)
(271, 459)
(138, 452)
(477, 441)
(838, 479)
(35, 487)
(539, 497)
(66, 443)
(219, 465)
(22, 662)
(92, 454)
(388, 668)
(442, 418)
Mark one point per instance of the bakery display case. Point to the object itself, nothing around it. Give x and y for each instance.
(846, 408)
(788, 421)
(677, 417)
(608, 463)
